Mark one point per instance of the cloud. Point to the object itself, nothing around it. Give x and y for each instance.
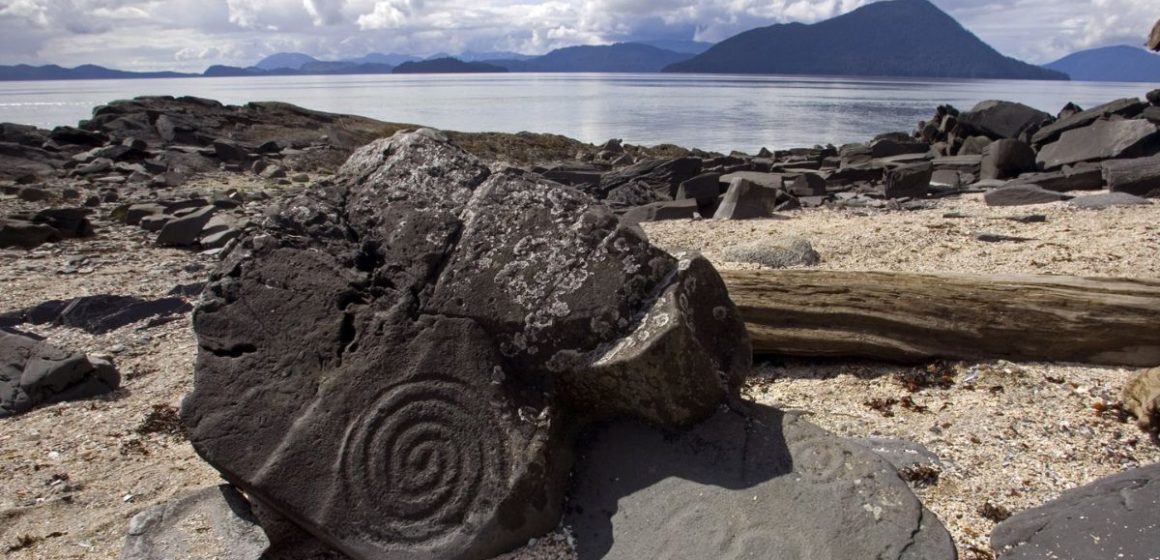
(191, 34)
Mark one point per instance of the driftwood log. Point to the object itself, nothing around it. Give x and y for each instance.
(915, 317)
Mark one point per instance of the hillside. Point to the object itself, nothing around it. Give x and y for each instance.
(619, 57)
(1110, 64)
(21, 72)
(910, 38)
(278, 61)
(447, 66)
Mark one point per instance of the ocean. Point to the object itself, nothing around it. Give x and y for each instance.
(712, 112)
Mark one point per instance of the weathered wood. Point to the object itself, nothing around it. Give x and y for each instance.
(913, 317)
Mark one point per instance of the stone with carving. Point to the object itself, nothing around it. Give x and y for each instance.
(393, 362)
(763, 484)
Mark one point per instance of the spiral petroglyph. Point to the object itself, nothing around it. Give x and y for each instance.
(819, 460)
(423, 455)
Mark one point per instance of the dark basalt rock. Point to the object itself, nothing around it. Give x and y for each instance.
(1114, 517)
(746, 199)
(397, 363)
(758, 485)
(661, 175)
(1103, 139)
(1001, 119)
(1021, 195)
(1006, 158)
(1127, 108)
(907, 181)
(34, 373)
(97, 314)
(658, 211)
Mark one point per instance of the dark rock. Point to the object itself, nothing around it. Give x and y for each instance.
(1140, 176)
(887, 147)
(970, 164)
(94, 167)
(1153, 97)
(1021, 195)
(395, 362)
(1114, 517)
(657, 211)
(760, 485)
(806, 184)
(911, 181)
(154, 222)
(745, 200)
(1102, 139)
(24, 234)
(633, 194)
(99, 314)
(214, 522)
(1067, 111)
(1001, 119)
(33, 194)
(1100, 201)
(1127, 108)
(1081, 177)
(22, 134)
(187, 290)
(999, 238)
(69, 223)
(1006, 158)
(186, 230)
(136, 212)
(767, 180)
(34, 373)
(973, 146)
(583, 178)
(18, 161)
(774, 253)
(704, 188)
(231, 151)
(661, 175)
(76, 136)
(854, 174)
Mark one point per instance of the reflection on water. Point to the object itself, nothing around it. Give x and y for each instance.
(718, 113)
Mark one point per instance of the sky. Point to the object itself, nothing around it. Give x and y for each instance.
(190, 35)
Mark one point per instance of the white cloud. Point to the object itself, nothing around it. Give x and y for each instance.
(191, 34)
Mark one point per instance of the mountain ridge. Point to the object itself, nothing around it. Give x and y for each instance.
(901, 38)
(1116, 63)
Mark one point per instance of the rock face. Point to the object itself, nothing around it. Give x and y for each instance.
(770, 485)
(212, 523)
(1114, 517)
(1002, 119)
(397, 363)
(1101, 140)
(33, 372)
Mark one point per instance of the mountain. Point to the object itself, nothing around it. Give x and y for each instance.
(392, 59)
(911, 38)
(1110, 64)
(446, 66)
(315, 68)
(620, 57)
(475, 56)
(278, 61)
(678, 45)
(83, 72)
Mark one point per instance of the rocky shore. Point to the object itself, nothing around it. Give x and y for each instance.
(544, 290)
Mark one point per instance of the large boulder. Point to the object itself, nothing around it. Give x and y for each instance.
(1114, 517)
(34, 373)
(1127, 108)
(1081, 177)
(1002, 119)
(397, 362)
(911, 181)
(746, 199)
(1138, 176)
(1006, 158)
(661, 175)
(1104, 139)
(759, 484)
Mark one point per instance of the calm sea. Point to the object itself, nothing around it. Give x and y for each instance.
(716, 112)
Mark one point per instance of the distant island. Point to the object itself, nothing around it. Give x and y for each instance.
(1121, 63)
(899, 38)
(908, 38)
(447, 66)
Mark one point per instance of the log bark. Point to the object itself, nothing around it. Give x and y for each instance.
(916, 317)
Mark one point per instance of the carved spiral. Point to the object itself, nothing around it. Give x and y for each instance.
(819, 460)
(424, 457)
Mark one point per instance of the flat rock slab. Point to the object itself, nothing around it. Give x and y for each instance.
(1107, 200)
(1022, 195)
(34, 372)
(765, 485)
(211, 523)
(1101, 140)
(1117, 517)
